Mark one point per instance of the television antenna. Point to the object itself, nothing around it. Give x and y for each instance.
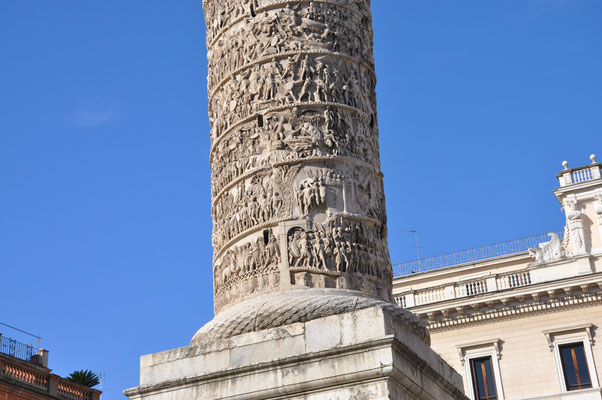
(417, 246)
(101, 378)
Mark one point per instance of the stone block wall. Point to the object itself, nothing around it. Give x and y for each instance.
(527, 363)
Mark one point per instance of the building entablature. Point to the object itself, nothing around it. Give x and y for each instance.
(476, 281)
(573, 292)
(539, 283)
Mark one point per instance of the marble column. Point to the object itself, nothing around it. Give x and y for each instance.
(297, 191)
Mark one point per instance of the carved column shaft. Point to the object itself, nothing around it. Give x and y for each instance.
(297, 194)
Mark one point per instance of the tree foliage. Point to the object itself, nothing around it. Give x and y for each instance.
(84, 377)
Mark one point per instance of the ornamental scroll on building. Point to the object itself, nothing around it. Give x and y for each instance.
(297, 192)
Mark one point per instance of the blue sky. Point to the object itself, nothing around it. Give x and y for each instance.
(104, 175)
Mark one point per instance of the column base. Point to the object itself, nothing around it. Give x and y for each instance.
(361, 354)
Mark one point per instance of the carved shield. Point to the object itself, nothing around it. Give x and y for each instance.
(233, 104)
(293, 248)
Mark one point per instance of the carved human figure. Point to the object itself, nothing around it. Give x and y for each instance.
(273, 249)
(340, 250)
(311, 193)
(574, 217)
(319, 250)
(304, 251)
(294, 251)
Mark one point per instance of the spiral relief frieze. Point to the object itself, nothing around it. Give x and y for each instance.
(297, 195)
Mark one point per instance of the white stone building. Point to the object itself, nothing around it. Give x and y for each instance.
(521, 323)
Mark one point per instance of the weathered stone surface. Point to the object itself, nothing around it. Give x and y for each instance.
(364, 354)
(297, 191)
(274, 310)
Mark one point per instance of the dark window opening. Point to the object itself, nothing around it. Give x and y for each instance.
(574, 366)
(252, 11)
(483, 381)
(266, 236)
(260, 121)
(371, 120)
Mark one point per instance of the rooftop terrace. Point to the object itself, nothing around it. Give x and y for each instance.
(16, 349)
(472, 255)
(24, 371)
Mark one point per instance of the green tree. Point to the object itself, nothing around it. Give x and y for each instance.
(84, 377)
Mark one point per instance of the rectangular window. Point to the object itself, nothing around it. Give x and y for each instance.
(483, 379)
(574, 366)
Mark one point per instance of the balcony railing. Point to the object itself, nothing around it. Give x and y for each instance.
(571, 176)
(463, 289)
(17, 349)
(471, 255)
(29, 376)
(513, 280)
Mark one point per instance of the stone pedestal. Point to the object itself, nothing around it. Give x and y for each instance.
(373, 353)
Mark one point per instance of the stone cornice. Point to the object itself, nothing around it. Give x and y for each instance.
(550, 333)
(582, 191)
(385, 370)
(251, 369)
(526, 306)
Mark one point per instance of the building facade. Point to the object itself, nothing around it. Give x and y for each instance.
(24, 375)
(520, 322)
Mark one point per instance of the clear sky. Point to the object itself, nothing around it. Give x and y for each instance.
(104, 174)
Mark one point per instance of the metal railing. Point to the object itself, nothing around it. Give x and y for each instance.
(471, 255)
(17, 349)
